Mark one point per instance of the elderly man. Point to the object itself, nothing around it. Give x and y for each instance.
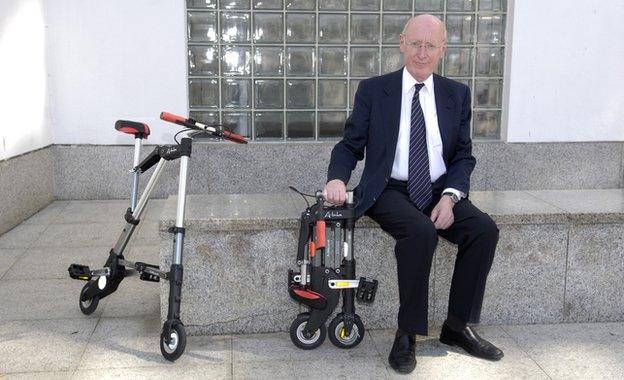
(415, 129)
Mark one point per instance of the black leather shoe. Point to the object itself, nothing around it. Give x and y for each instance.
(402, 358)
(471, 342)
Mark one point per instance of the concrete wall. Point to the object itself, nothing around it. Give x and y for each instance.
(271, 168)
(25, 186)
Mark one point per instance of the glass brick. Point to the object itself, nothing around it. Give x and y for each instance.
(466, 81)
(269, 125)
(235, 27)
(333, 28)
(208, 118)
(300, 93)
(493, 5)
(267, 4)
(268, 28)
(459, 29)
(397, 5)
(364, 61)
(365, 5)
(330, 5)
(364, 29)
(458, 62)
(269, 93)
(486, 125)
(236, 60)
(236, 93)
(331, 124)
(300, 27)
(268, 61)
(488, 93)
(332, 93)
(202, 27)
(491, 29)
(490, 61)
(203, 60)
(300, 125)
(333, 61)
(234, 4)
(428, 5)
(300, 61)
(301, 4)
(353, 86)
(237, 122)
(204, 93)
(209, 4)
(460, 5)
(391, 59)
(392, 27)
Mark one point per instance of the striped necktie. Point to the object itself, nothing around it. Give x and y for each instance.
(419, 178)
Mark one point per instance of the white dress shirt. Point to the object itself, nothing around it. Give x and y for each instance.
(434, 141)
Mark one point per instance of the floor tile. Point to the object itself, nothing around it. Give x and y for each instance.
(579, 351)
(134, 342)
(49, 345)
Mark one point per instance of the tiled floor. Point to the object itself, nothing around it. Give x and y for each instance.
(43, 335)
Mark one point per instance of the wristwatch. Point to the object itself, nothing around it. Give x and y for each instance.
(453, 196)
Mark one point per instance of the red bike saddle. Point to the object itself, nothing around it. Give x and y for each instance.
(133, 128)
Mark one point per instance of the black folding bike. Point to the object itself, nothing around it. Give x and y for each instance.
(103, 282)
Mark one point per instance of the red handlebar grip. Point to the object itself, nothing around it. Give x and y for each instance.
(234, 137)
(166, 116)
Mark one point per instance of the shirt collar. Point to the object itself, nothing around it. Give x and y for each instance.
(409, 82)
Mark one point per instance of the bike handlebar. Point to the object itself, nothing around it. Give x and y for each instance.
(192, 124)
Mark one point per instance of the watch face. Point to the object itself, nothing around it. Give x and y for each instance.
(453, 196)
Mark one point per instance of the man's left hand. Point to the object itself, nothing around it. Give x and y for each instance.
(442, 214)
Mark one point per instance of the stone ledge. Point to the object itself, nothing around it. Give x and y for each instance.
(231, 212)
(559, 259)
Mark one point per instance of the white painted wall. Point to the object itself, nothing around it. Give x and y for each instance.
(119, 59)
(566, 73)
(23, 85)
(115, 59)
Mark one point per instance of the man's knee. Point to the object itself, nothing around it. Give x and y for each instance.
(423, 233)
(486, 228)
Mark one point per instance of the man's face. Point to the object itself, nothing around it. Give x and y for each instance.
(422, 46)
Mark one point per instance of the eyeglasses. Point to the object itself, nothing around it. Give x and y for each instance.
(417, 45)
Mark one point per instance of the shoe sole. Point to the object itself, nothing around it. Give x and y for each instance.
(406, 371)
(449, 342)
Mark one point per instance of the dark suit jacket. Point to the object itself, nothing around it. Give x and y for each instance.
(373, 127)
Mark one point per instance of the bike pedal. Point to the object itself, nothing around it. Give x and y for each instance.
(366, 290)
(149, 277)
(79, 272)
(139, 266)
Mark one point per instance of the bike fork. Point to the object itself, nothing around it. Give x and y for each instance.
(176, 270)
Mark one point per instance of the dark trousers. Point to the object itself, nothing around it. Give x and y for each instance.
(416, 238)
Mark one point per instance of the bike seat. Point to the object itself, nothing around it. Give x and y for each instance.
(133, 128)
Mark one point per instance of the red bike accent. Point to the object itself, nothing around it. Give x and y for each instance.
(308, 294)
(141, 130)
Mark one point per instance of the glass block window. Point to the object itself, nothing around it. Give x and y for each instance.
(287, 70)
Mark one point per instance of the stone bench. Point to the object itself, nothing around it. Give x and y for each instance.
(560, 258)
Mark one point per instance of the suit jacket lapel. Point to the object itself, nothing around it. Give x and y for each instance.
(444, 103)
(392, 112)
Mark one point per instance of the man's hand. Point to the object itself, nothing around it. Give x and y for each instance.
(335, 192)
(442, 214)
